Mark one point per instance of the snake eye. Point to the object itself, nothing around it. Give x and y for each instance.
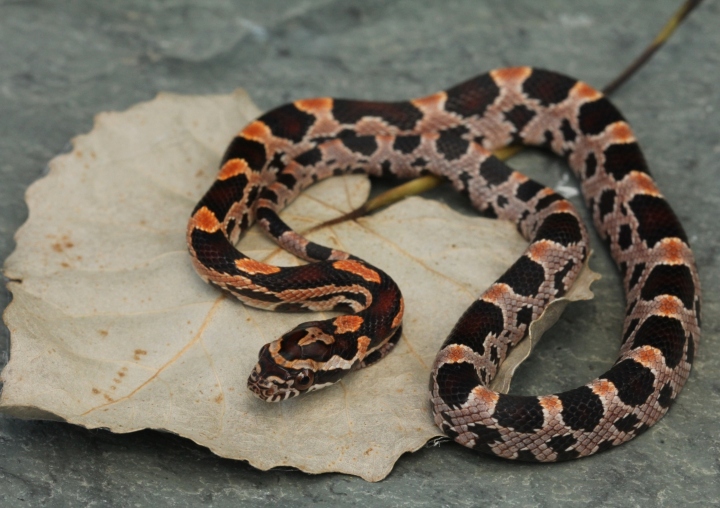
(304, 379)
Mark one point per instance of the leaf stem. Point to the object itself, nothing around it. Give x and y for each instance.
(427, 182)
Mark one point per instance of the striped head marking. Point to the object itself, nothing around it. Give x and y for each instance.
(290, 365)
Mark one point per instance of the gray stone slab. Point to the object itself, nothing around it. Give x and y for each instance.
(63, 62)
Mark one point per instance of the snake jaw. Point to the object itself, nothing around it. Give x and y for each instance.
(269, 381)
(274, 383)
(270, 388)
(294, 363)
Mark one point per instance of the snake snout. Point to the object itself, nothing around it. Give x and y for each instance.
(269, 381)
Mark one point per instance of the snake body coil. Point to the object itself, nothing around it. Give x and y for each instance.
(452, 134)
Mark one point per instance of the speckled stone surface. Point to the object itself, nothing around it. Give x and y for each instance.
(63, 62)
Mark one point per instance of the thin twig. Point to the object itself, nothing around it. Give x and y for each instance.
(425, 183)
(656, 44)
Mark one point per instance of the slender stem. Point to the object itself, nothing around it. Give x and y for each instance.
(656, 44)
(425, 183)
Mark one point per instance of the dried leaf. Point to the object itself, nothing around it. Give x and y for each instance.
(112, 328)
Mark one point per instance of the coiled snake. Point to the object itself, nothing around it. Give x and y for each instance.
(452, 134)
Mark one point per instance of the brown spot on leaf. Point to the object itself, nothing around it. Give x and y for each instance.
(62, 244)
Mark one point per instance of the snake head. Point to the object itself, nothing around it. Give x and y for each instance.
(291, 365)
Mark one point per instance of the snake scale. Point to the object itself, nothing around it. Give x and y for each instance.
(452, 134)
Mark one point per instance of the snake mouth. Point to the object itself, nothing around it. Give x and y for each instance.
(270, 388)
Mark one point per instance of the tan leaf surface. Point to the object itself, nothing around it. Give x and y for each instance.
(112, 328)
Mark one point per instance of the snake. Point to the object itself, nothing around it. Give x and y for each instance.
(453, 134)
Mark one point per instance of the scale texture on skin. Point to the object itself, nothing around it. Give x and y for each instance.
(452, 134)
